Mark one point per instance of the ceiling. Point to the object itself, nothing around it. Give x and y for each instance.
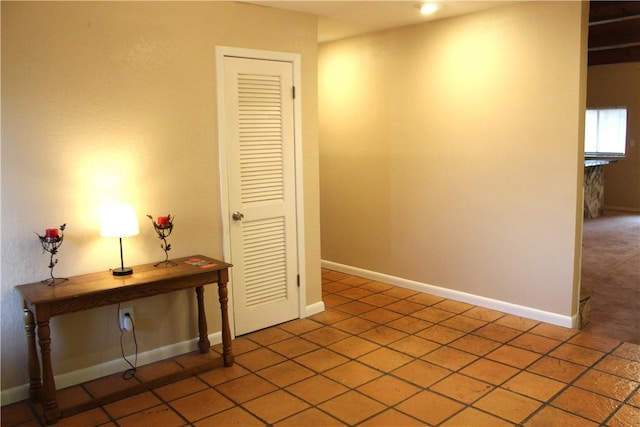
(614, 26)
(614, 32)
(338, 19)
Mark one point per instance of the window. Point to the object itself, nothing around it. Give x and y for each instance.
(605, 132)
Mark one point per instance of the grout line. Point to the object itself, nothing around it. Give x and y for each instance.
(572, 384)
(444, 323)
(547, 353)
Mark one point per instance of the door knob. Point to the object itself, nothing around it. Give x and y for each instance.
(237, 216)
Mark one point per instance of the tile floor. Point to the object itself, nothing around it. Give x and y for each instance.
(387, 356)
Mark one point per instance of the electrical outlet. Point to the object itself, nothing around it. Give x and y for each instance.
(125, 318)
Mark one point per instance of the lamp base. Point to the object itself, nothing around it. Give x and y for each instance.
(124, 271)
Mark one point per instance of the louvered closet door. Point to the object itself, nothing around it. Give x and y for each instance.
(261, 175)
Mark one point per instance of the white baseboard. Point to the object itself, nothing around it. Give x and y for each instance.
(505, 307)
(19, 393)
(312, 309)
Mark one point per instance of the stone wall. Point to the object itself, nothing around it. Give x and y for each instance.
(593, 191)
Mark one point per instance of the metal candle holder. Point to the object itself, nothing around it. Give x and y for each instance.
(164, 231)
(51, 244)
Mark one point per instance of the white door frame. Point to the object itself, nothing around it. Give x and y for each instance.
(294, 59)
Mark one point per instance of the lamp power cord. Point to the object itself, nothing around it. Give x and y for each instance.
(131, 372)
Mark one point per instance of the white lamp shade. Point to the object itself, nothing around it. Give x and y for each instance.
(118, 221)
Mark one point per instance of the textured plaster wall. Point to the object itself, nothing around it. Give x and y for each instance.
(116, 101)
(450, 153)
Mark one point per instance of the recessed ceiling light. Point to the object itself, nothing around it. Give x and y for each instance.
(428, 8)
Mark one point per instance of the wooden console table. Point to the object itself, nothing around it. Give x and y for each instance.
(99, 289)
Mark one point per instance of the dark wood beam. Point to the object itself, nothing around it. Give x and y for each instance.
(608, 10)
(614, 56)
(615, 33)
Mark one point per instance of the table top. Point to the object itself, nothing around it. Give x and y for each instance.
(597, 162)
(191, 269)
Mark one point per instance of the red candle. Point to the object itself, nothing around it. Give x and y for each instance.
(51, 232)
(163, 220)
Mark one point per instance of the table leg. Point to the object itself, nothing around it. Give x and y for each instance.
(35, 382)
(223, 294)
(203, 343)
(51, 410)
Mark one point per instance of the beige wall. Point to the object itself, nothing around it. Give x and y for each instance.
(450, 153)
(117, 101)
(619, 85)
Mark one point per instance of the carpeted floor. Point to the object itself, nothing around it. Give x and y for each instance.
(611, 274)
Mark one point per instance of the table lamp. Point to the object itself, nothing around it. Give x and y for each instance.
(119, 221)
